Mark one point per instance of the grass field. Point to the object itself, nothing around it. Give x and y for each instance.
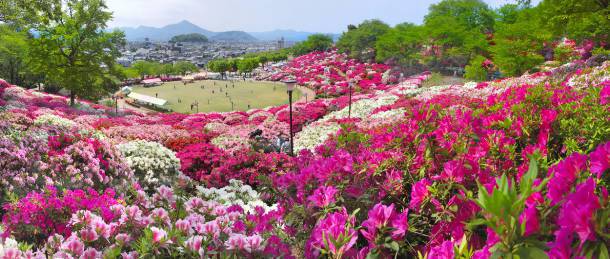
(217, 95)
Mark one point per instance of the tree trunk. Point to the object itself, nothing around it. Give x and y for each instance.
(72, 96)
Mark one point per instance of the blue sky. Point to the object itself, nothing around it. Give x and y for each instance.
(328, 16)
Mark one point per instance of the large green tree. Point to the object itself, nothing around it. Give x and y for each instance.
(519, 45)
(184, 67)
(13, 53)
(219, 66)
(360, 41)
(402, 44)
(577, 19)
(72, 47)
(315, 42)
(473, 14)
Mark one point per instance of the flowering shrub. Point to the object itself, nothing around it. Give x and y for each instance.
(236, 193)
(153, 164)
(170, 226)
(50, 119)
(88, 163)
(40, 214)
(517, 166)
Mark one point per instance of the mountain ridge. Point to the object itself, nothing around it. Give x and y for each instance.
(166, 32)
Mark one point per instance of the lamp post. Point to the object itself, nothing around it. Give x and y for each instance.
(116, 103)
(350, 83)
(290, 88)
(349, 110)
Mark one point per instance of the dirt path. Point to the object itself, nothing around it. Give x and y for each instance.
(124, 105)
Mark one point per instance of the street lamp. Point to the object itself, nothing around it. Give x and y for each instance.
(115, 98)
(349, 110)
(350, 83)
(290, 88)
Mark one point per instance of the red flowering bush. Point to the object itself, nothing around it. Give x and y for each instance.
(198, 160)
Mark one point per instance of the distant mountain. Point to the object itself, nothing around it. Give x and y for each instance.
(163, 33)
(289, 35)
(235, 36)
(185, 27)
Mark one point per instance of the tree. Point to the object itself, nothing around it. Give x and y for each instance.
(360, 42)
(184, 67)
(475, 70)
(402, 44)
(13, 54)
(518, 46)
(147, 68)
(219, 66)
(473, 14)
(577, 19)
(453, 43)
(315, 42)
(73, 48)
(246, 65)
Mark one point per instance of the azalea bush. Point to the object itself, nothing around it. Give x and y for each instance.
(41, 214)
(153, 164)
(516, 167)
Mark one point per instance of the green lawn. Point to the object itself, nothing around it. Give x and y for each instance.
(217, 95)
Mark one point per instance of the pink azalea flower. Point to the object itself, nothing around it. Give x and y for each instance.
(73, 245)
(530, 217)
(335, 228)
(564, 174)
(600, 159)
(442, 251)
(323, 196)
(419, 192)
(604, 95)
(158, 234)
(236, 242)
(194, 243)
(91, 253)
(254, 243)
(88, 235)
(576, 214)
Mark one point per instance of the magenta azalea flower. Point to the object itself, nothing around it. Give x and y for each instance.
(576, 217)
(335, 229)
(564, 174)
(604, 95)
(419, 193)
(600, 159)
(380, 217)
(323, 196)
(530, 217)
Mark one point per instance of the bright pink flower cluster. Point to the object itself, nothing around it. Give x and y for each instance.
(40, 214)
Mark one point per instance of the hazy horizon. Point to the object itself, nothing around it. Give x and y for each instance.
(264, 15)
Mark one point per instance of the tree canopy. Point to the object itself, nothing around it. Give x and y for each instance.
(359, 41)
(315, 42)
(72, 47)
(516, 37)
(191, 37)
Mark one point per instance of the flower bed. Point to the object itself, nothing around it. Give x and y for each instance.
(514, 166)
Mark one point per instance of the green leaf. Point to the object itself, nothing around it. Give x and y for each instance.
(603, 252)
(531, 252)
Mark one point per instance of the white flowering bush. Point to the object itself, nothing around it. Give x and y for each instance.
(362, 108)
(236, 193)
(313, 135)
(595, 77)
(154, 164)
(51, 119)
